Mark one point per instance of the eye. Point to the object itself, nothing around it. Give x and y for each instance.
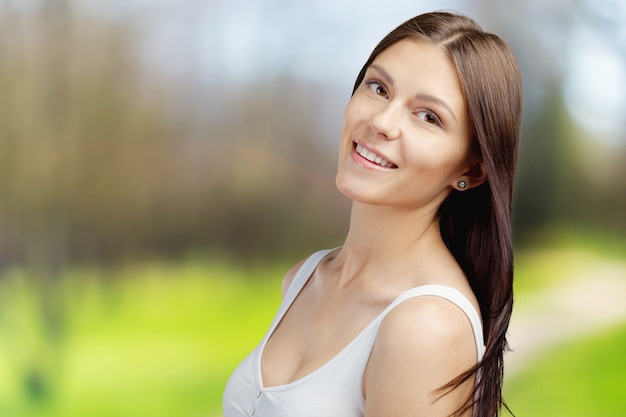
(429, 117)
(377, 88)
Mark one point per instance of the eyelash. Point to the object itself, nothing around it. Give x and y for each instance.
(437, 120)
(374, 82)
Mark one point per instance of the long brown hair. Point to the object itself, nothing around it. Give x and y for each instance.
(476, 224)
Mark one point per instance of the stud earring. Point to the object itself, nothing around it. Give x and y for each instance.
(462, 184)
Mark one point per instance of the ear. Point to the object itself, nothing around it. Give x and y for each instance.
(473, 177)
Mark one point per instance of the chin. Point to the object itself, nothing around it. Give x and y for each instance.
(340, 185)
(344, 187)
(353, 191)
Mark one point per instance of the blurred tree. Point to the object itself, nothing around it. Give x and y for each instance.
(105, 157)
(540, 170)
(103, 163)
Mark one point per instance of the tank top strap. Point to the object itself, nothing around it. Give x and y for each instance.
(451, 294)
(455, 297)
(304, 273)
(299, 281)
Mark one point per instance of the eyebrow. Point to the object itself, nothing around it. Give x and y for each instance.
(420, 96)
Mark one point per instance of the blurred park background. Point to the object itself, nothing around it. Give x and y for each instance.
(163, 162)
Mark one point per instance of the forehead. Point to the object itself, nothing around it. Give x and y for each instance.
(421, 67)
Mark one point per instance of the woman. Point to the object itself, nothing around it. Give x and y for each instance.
(408, 317)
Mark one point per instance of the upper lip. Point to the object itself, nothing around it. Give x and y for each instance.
(377, 153)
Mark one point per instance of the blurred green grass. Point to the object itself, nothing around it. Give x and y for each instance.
(583, 378)
(161, 339)
(556, 254)
(151, 340)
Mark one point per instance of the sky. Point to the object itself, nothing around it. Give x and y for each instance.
(243, 40)
(595, 77)
(326, 41)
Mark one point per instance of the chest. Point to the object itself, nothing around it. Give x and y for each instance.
(315, 329)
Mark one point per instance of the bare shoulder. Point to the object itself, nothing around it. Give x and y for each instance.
(442, 321)
(421, 345)
(289, 276)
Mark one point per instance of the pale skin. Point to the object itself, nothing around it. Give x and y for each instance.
(410, 111)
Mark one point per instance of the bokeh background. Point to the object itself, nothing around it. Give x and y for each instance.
(163, 162)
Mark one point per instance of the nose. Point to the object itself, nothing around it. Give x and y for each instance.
(386, 122)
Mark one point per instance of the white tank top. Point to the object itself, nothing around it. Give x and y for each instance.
(336, 388)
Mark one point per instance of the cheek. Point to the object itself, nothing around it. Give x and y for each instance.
(353, 112)
(436, 161)
(349, 125)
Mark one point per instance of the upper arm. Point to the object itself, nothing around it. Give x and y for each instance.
(421, 345)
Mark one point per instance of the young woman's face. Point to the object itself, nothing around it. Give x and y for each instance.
(406, 137)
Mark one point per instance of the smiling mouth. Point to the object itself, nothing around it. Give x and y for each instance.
(372, 157)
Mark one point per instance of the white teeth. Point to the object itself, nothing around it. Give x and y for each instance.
(372, 157)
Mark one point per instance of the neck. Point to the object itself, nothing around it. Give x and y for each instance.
(387, 238)
(388, 230)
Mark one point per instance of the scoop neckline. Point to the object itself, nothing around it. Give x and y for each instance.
(315, 260)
